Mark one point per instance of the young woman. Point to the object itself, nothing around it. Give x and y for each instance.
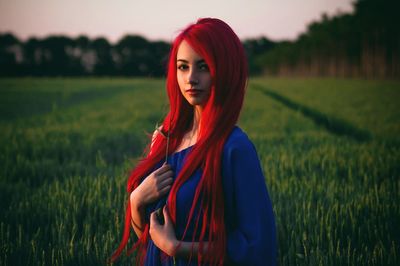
(205, 203)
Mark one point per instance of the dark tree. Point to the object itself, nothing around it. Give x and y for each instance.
(10, 54)
(254, 48)
(104, 63)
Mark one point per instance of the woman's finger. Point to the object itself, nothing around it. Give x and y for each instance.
(166, 182)
(167, 218)
(163, 191)
(165, 175)
(153, 218)
(164, 168)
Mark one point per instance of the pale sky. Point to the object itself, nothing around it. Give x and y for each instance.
(161, 19)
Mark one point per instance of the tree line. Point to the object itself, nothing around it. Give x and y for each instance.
(133, 55)
(64, 56)
(365, 43)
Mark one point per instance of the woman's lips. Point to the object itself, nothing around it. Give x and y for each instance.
(193, 92)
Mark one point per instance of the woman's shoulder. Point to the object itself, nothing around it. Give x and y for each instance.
(238, 139)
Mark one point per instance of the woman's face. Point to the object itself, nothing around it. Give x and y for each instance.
(193, 75)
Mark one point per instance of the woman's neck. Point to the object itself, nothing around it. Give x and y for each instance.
(190, 137)
(196, 119)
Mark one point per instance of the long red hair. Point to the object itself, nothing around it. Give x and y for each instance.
(223, 52)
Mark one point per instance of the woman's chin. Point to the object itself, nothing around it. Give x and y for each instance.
(196, 101)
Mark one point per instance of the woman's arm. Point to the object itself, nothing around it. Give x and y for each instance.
(164, 238)
(189, 249)
(153, 187)
(137, 214)
(251, 233)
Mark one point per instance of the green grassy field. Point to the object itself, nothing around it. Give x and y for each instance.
(330, 151)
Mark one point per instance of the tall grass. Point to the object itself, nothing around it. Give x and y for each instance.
(65, 156)
(368, 104)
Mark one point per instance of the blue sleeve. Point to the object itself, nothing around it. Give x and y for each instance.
(249, 218)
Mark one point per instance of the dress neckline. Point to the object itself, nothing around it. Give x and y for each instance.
(180, 151)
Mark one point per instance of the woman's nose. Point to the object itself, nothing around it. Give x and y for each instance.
(192, 78)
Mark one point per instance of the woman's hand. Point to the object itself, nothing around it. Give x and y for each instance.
(163, 236)
(153, 187)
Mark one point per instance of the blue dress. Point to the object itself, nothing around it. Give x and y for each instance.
(250, 223)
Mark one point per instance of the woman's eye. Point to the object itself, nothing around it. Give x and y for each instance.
(182, 67)
(204, 67)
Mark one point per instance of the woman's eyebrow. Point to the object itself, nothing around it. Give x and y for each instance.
(186, 61)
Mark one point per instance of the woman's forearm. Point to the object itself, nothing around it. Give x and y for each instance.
(163, 236)
(155, 186)
(137, 215)
(189, 249)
